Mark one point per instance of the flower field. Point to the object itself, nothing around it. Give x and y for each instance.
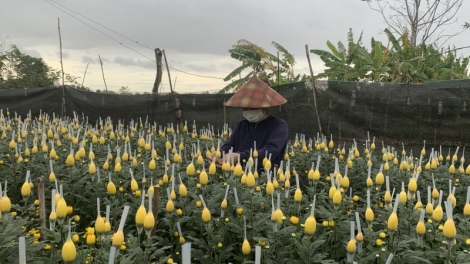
(139, 193)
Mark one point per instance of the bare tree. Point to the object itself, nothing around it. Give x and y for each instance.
(423, 20)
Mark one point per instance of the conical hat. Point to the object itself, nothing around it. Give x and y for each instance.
(255, 94)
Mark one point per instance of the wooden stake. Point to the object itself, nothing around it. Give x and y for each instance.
(225, 114)
(84, 75)
(312, 78)
(102, 72)
(178, 111)
(62, 67)
(158, 78)
(155, 202)
(42, 202)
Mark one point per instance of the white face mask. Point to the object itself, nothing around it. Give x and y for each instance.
(253, 115)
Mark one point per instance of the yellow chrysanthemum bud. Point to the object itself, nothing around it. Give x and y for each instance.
(369, 215)
(118, 239)
(140, 216)
(117, 167)
(392, 222)
(170, 206)
(310, 225)
(190, 170)
(412, 185)
(25, 190)
(111, 188)
(69, 252)
(420, 228)
(437, 214)
(351, 247)
(246, 249)
(337, 198)
(149, 221)
(203, 178)
(134, 185)
(152, 165)
(298, 195)
(466, 210)
(92, 168)
(449, 231)
(206, 215)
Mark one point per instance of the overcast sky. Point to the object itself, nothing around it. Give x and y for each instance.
(196, 35)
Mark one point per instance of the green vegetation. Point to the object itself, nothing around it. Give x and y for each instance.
(396, 62)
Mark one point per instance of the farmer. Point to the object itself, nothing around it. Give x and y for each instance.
(269, 132)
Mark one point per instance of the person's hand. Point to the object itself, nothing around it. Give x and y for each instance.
(218, 162)
(235, 158)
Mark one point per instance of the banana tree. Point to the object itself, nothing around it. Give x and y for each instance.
(255, 60)
(373, 65)
(424, 62)
(340, 61)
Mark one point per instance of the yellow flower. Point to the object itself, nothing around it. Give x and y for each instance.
(25, 190)
(298, 195)
(90, 239)
(170, 206)
(246, 249)
(111, 188)
(351, 247)
(420, 228)
(378, 242)
(118, 239)
(206, 215)
(392, 222)
(69, 252)
(223, 204)
(310, 225)
(294, 220)
(240, 210)
(449, 229)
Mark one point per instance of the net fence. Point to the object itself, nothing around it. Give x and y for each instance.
(436, 112)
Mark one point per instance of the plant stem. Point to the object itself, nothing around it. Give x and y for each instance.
(448, 251)
(308, 250)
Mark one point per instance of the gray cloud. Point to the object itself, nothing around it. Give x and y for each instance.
(201, 68)
(124, 62)
(103, 59)
(203, 27)
(88, 59)
(65, 54)
(32, 52)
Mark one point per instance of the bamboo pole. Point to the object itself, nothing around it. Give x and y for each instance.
(155, 202)
(176, 103)
(102, 72)
(84, 75)
(312, 78)
(62, 68)
(42, 202)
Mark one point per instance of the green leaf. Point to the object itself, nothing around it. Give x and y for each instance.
(235, 72)
(333, 49)
(324, 55)
(378, 56)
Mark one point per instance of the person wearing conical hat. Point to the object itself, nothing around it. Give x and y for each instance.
(270, 133)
